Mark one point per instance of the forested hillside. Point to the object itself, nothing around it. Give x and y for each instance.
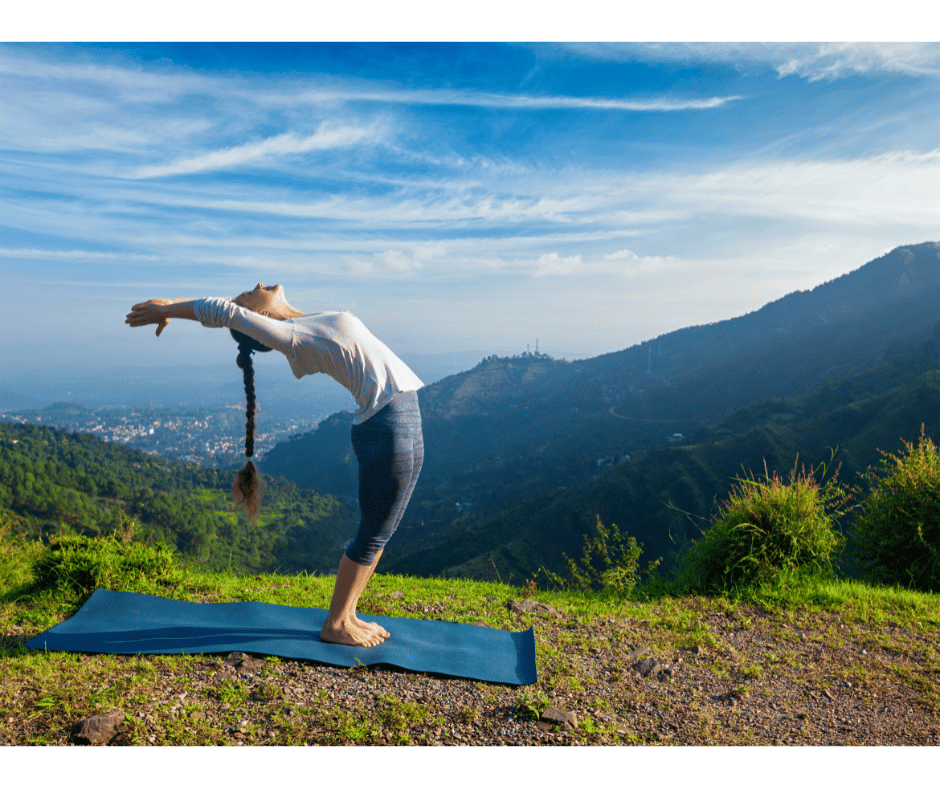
(52, 480)
(511, 431)
(666, 497)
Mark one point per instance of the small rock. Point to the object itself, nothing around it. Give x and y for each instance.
(243, 663)
(648, 667)
(531, 606)
(565, 719)
(98, 730)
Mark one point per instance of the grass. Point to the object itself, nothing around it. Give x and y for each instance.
(765, 528)
(898, 535)
(45, 693)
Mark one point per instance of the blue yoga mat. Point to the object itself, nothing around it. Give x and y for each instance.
(119, 622)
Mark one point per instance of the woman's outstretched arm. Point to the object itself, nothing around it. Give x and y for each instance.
(213, 312)
(159, 311)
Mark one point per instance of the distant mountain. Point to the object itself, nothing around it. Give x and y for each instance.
(11, 400)
(666, 497)
(516, 429)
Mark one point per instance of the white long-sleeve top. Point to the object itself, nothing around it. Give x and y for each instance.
(335, 343)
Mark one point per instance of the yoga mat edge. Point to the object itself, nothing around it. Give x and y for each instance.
(122, 622)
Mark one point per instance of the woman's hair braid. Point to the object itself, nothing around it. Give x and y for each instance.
(248, 375)
(246, 490)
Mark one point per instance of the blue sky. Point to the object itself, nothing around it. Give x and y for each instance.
(454, 196)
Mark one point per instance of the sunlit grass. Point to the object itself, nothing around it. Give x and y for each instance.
(63, 687)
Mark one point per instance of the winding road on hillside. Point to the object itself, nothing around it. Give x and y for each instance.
(647, 421)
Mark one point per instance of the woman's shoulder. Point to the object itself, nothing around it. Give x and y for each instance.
(333, 315)
(343, 321)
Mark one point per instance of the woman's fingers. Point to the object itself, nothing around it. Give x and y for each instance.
(139, 317)
(147, 313)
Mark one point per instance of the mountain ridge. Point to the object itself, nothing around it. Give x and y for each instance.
(514, 430)
(700, 375)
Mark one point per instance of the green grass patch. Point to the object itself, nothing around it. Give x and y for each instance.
(50, 691)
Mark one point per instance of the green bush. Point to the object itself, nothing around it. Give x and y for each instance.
(897, 536)
(764, 528)
(16, 554)
(610, 561)
(80, 563)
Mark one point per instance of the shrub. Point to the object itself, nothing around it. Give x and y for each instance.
(897, 536)
(80, 563)
(764, 528)
(16, 553)
(610, 561)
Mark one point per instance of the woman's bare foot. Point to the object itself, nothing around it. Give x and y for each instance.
(371, 625)
(347, 633)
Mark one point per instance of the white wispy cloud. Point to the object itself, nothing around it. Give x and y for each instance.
(836, 61)
(811, 61)
(63, 106)
(623, 262)
(77, 255)
(281, 145)
(552, 263)
(495, 100)
(900, 187)
(108, 82)
(532, 222)
(631, 264)
(406, 261)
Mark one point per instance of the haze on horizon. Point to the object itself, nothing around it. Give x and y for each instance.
(456, 197)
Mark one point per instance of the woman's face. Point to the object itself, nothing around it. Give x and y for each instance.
(266, 301)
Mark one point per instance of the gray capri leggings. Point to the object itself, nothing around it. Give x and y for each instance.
(390, 450)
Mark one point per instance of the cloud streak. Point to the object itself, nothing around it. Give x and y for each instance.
(812, 62)
(497, 101)
(898, 187)
(837, 61)
(282, 145)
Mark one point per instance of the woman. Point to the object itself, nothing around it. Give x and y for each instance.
(386, 433)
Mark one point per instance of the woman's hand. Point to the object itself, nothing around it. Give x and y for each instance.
(148, 313)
